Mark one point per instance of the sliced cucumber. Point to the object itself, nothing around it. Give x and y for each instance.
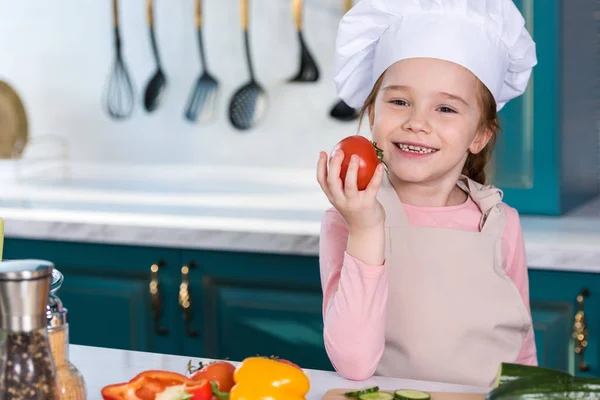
(357, 393)
(411, 395)
(376, 396)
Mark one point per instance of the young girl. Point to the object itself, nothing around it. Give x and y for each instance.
(424, 273)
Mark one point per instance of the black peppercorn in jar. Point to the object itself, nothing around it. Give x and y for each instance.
(26, 367)
(27, 370)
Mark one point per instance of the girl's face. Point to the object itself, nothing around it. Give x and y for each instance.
(426, 119)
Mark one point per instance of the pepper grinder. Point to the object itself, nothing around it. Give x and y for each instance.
(27, 368)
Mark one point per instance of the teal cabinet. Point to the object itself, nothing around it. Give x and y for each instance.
(556, 311)
(547, 152)
(107, 292)
(258, 304)
(552, 324)
(114, 311)
(221, 304)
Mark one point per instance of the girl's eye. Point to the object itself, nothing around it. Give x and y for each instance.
(446, 110)
(399, 102)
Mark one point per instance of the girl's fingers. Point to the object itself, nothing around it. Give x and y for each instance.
(375, 183)
(333, 176)
(322, 174)
(350, 184)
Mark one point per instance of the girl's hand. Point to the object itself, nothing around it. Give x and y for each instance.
(361, 209)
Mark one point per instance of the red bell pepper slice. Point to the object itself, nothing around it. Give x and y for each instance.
(200, 390)
(146, 385)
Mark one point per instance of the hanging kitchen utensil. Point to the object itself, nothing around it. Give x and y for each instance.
(309, 71)
(119, 97)
(156, 86)
(340, 110)
(249, 103)
(343, 112)
(203, 97)
(14, 127)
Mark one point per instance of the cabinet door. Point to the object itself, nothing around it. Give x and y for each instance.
(552, 323)
(107, 312)
(243, 321)
(252, 303)
(527, 149)
(107, 291)
(555, 310)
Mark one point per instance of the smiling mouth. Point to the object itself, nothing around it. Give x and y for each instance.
(411, 148)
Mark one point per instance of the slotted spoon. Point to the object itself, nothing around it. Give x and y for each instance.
(204, 95)
(249, 103)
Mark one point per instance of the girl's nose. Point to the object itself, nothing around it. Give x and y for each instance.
(417, 122)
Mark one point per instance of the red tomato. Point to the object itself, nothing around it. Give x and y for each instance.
(368, 158)
(200, 390)
(220, 372)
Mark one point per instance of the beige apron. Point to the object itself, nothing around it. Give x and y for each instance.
(453, 315)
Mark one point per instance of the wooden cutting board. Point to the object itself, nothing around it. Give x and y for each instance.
(338, 394)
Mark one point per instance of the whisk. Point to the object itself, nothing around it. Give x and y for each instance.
(119, 95)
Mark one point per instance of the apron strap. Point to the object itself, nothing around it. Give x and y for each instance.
(395, 216)
(488, 198)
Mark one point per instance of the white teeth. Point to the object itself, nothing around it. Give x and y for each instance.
(415, 149)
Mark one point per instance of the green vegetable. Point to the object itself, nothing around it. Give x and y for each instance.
(547, 387)
(376, 396)
(509, 372)
(411, 395)
(357, 393)
(216, 393)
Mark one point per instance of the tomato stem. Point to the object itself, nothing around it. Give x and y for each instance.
(380, 155)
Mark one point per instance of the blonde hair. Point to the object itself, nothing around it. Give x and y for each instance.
(476, 164)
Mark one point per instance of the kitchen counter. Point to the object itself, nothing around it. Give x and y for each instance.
(226, 208)
(100, 367)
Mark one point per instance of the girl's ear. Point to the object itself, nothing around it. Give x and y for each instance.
(481, 140)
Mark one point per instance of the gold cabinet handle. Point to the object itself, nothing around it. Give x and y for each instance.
(156, 298)
(580, 331)
(185, 299)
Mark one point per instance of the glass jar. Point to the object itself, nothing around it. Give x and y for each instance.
(70, 381)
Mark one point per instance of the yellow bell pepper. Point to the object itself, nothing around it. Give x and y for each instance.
(260, 378)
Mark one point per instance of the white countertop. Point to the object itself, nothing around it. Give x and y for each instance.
(101, 367)
(226, 208)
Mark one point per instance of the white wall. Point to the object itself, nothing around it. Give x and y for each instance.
(57, 55)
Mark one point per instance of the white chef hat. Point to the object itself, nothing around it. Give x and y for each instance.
(488, 37)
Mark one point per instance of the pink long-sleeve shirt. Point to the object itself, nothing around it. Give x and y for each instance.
(352, 289)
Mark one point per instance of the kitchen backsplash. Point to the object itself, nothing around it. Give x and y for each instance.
(58, 56)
